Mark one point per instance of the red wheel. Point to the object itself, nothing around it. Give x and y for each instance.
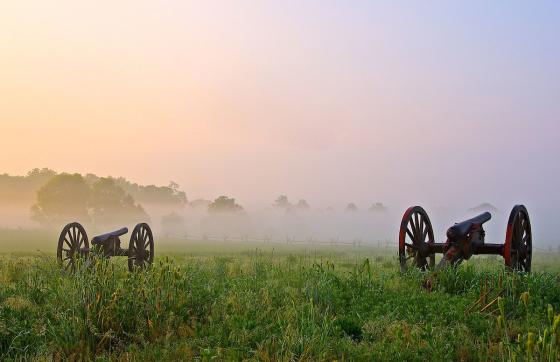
(415, 236)
(518, 248)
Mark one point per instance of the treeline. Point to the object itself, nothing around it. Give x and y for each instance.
(148, 194)
(23, 189)
(70, 197)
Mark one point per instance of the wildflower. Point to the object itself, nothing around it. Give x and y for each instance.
(545, 336)
(525, 299)
(556, 323)
(530, 342)
(500, 321)
(501, 305)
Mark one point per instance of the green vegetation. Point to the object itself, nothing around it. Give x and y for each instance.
(237, 301)
(224, 204)
(282, 203)
(169, 195)
(23, 189)
(67, 196)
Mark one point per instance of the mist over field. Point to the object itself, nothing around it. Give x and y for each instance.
(175, 216)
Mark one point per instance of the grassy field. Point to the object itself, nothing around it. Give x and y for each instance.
(231, 301)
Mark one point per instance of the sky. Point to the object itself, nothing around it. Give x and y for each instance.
(419, 102)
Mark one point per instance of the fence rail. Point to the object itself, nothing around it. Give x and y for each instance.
(358, 242)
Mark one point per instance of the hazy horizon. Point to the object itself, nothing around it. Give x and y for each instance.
(431, 103)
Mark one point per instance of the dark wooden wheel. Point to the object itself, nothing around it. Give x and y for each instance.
(141, 247)
(72, 244)
(518, 248)
(416, 233)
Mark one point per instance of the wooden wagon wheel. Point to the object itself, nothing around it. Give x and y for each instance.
(72, 244)
(416, 233)
(518, 248)
(141, 247)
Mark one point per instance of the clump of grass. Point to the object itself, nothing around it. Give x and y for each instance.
(541, 344)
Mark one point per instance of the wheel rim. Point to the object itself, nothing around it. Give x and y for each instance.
(141, 247)
(415, 236)
(72, 244)
(518, 249)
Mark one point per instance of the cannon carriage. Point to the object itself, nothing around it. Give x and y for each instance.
(417, 246)
(73, 244)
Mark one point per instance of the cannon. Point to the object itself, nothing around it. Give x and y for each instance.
(73, 243)
(417, 246)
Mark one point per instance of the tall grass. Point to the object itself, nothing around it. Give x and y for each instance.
(259, 306)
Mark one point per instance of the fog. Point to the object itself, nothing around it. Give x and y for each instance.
(341, 226)
(269, 224)
(439, 104)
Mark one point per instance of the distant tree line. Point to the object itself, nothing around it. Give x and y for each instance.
(282, 203)
(148, 194)
(67, 197)
(23, 189)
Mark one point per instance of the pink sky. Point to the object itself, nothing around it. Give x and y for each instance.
(329, 101)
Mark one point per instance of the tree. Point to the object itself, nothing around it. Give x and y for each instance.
(282, 202)
(173, 224)
(111, 204)
(378, 207)
(41, 173)
(302, 205)
(149, 194)
(22, 190)
(224, 204)
(63, 197)
(351, 207)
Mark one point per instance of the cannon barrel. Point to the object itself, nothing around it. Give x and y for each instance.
(104, 237)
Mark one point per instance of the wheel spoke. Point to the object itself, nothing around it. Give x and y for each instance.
(69, 234)
(74, 236)
(416, 226)
(79, 238)
(421, 227)
(411, 246)
(410, 234)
